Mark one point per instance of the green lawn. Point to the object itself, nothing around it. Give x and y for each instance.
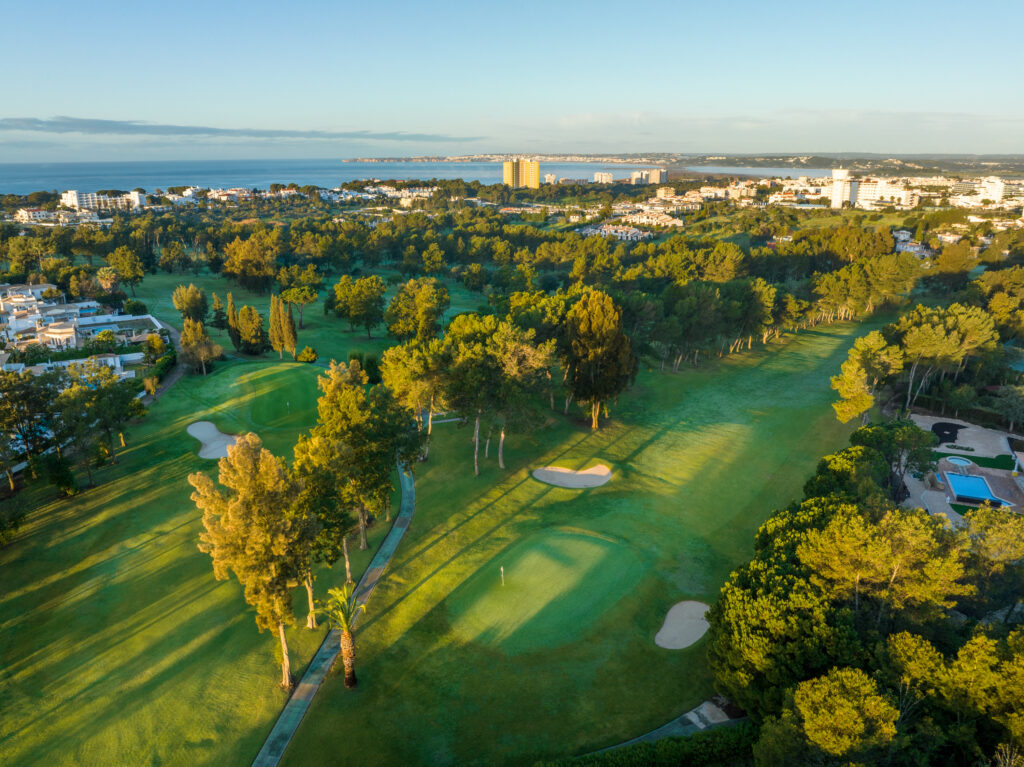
(1004, 462)
(117, 645)
(455, 668)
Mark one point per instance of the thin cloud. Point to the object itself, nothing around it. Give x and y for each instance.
(92, 127)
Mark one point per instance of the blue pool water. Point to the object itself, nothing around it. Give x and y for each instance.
(958, 461)
(972, 489)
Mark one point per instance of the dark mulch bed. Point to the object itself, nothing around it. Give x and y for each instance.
(946, 432)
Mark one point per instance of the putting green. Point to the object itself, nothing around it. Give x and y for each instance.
(278, 394)
(557, 584)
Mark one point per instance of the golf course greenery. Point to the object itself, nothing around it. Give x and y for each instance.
(329, 336)
(449, 659)
(117, 644)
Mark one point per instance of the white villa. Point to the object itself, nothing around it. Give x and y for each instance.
(27, 318)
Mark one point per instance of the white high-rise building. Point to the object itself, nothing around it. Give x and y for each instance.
(992, 188)
(550, 178)
(844, 189)
(603, 178)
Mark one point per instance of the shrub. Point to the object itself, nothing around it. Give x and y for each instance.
(135, 308)
(372, 368)
(308, 354)
(164, 365)
(12, 512)
(58, 474)
(720, 746)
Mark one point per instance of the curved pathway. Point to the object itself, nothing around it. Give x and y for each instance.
(711, 713)
(302, 696)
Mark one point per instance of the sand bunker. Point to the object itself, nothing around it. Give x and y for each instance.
(684, 625)
(595, 476)
(214, 441)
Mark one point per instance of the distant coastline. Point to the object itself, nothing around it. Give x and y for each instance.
(553, 158)
(24, 178)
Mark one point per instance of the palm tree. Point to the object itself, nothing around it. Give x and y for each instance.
(341, 610)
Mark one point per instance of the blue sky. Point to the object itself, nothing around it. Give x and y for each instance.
(182, 80)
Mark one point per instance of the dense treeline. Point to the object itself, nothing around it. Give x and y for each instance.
(868, 633)
(63, 419)
(953, 358)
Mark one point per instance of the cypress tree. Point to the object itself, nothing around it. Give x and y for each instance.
(252, 337)
(220, 319)
(277, 341)
(233, 323)
(291, 337)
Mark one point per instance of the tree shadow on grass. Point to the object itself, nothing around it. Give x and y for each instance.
(119, 694)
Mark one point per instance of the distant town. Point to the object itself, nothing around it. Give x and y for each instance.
(627, 220)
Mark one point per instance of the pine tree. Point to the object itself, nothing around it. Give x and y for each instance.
(291, 337)
(276, 326)
(598, 359)
(249, 531)
(233, 323)
(220, 319)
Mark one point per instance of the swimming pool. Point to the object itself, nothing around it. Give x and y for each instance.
(958, 461)
(972, 489)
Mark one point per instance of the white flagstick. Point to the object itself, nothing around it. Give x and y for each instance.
(503, 575)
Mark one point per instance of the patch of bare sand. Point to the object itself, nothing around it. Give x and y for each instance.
(685, 623)
(595, 476)
(214, 443)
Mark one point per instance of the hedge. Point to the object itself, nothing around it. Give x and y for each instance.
(711, 748)
(164, 365)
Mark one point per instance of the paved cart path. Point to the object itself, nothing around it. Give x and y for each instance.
(288, 721)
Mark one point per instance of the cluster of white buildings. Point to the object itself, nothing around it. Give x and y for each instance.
(991, 191)
(116, 362)
(406, 197)
(643, 176)
(38, 314)
(873, 193)
(652, 218)
(230, 195)
(618, 231)
(843, 189)
(870, 193)
(41, 217)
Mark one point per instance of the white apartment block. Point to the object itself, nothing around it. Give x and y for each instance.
(649, 176)
(92, 201)
(992, 188)
(869, 192)
(602, 177)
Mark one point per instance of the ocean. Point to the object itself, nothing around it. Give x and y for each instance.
(737, 170)
(22, 178)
